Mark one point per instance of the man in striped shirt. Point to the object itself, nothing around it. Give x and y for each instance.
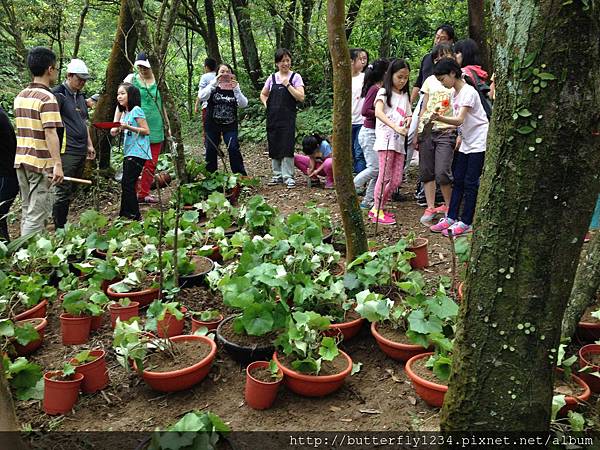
(38, 151)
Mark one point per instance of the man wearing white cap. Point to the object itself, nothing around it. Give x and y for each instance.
(76, 143)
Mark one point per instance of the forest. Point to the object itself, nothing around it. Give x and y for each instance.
(254, 276)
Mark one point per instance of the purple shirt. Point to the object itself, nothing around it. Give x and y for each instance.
(368, 109)
(296, 81)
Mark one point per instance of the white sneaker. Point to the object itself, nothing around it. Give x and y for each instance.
(291, 184)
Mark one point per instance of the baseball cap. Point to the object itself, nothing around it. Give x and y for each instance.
(142, 60)
(78, 67)
(95, 97)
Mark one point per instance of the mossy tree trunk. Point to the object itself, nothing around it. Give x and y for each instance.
(536, 199)
(247, 42)
(9, 425)
(478, 24)
(585, 288)
(356, 238)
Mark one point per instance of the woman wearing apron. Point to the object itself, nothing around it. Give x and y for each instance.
(280, 94)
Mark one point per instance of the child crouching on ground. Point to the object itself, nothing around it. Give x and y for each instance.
(317, 159)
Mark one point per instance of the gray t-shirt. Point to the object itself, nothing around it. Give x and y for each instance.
(74, 113)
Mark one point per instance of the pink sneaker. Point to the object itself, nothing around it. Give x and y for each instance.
(442, 225)
(373, 212)
(442, 209)
(457, 229)
(383, 219)
(428, 216)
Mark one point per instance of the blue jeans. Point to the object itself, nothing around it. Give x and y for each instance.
(466, 171)
(212, 142)
(596, 216)
(359, 163)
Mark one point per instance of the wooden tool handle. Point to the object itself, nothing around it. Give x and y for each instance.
(75, 180)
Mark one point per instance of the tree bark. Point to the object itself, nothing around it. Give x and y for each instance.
(9, 424)
(247, 42)
(13, 29)
(119, 65)
(352, 15)
(154, 57)
(232, 38)
(541, 167)
(307, 8)
(213, 39)
(189, 64)
(356, 238)
(82, 14)
(386, 32)
(288, 38)
(477, 27)
(585, 288)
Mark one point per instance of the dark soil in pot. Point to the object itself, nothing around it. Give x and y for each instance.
(587, 315)
(419, 368)
(243, 340)
(338, 365)
(263, 374)
(244, 348)
(393, 334)
(593, 359)
(201, 298)
(563, 387)
(187, 353)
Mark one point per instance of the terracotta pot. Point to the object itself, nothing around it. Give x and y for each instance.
(97, 322)
(421, 260)
(37, 311)
(432, 393)
(60, 396)
(348, 329)
(588, 331)
(144, 297)
(106, 283)
(573, 402)
(461, 287)
(196, 278)
(327, 236)
(260, 394)
(395, 350)
(314, 385)
(585, 353)
(233, 194)
(122, 312)
(95, 372)
(240, 353)
(40, 325)
(170, 326)
(179, 380)
(162, 179)
(100, 254)
(75, 329)
(216, 254)
(211, 325)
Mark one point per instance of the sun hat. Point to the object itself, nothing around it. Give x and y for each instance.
(142, 60)
(78, 67)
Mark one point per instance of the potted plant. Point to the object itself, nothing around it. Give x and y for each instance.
(85, 295)
(167, 319)
(29, 335)
(124, 309)
(575, 390)
(417, 245)
(61, 390)
(201, 267)
(311, 362)
(137, 285)
(91, 364)
(27, 296)
(429, 374)
(262, 383)
(589, 362)
(210, 319)
(166, 365)
(588, 328)
(80, 306)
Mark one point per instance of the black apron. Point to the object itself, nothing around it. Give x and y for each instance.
(281, 121)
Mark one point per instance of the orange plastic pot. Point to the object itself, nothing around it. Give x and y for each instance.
(75, 329)
(95, 372)
(60, 396)
(421, 259)
(170, 326)
(585, 353)
(432, 393)
(314, 385)
(260, 394)
(211, 325)
(38, 311)
(395, 350)
(106, 283)
(144, 297)
(179, 380)
(123, 312)
(96, 322)
(40, 325)
(588, 331)
(348, 329)
(574, 402)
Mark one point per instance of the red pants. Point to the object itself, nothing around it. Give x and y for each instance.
(148, 171)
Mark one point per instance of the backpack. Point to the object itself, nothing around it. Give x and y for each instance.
(483, 89)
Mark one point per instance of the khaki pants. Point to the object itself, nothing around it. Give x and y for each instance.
(37, 200)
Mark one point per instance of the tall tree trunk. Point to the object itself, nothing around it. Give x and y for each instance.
(12, 27)
(307, 8)
(189, 63)
(386, 32)
(247, 42)
(9, 425)
(585, 288)
(356, 238)
(154, 57)
(352, 15)
(232, 38)
(82, 14)
(541, 168)
(477, 29)
(289, 30)
(213, 39)
(119, 64)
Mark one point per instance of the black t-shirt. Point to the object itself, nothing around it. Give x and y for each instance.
(425, 71)
(74, 114)
(8, 146)
(222, 109)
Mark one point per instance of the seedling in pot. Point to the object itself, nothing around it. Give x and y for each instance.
(84, 357)
(209, 315)
(274, 370)
(66, 373)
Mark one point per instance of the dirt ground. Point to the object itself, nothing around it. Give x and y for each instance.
(379, 397)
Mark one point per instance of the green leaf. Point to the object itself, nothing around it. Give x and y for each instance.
(26, 333)
(443, 307)
(576, 421)
(525, 130)
(308, 365)
(35, 392)
(6, 328)
(546, 76)
(558, 401)
(356, 368)
(419, 324)
(257, 320)
(528, 60)
(328, 349)
(525, 113)
(68, 370)
(442, 367)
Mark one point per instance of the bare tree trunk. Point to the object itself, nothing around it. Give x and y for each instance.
(477, 27)
(119, 65)
(351, 16)
(232, 38)
(356, 238)
(585, 288)
(527, 237)
(247, 42)
(13, 29)
(9, 424)
(154, 57)
(307, 8)
(189, 63)
(213, 39)
(288, 39)
(82, 14)
(386, 32)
